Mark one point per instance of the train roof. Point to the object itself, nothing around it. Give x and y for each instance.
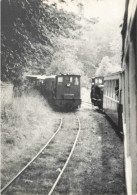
(32, 76)
(113, 76)
(42, 77)
(68, 75)
(99, 77)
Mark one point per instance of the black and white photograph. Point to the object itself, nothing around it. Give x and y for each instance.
(68, 97)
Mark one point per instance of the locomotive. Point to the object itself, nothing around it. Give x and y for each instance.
(61, 90)
(97, 91)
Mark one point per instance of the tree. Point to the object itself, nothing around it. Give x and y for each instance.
(106, 67)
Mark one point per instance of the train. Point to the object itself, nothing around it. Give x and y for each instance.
(62, 91)
(129, 94)
(112, 98)
(106, 95)
(119, 98)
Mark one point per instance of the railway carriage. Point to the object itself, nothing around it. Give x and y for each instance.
(30, 82)
(129, 94)
(112, 102)
(46, 86)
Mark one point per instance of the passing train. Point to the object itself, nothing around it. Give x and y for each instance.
(106, 95)
(119, 99)
(61, 90)
(112, 98)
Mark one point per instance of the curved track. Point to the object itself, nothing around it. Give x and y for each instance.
(34, 158)
(73, 147)
(64, 165)
(87, 102)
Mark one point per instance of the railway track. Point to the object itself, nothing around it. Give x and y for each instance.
(87, 102)
(52, 160)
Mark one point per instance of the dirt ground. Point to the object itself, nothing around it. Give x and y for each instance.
(97, 165)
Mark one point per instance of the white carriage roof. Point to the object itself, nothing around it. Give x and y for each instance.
(32, 76)
(113, 76)
(51, 76)
(68, 75)
(46, 77)
(99, 77)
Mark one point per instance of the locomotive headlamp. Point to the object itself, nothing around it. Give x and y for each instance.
(68, 85)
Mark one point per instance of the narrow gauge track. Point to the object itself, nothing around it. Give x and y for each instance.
(52, 162)
(30, 162)
(73, 147)
(86, 102)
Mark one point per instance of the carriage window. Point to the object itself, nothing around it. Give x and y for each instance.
(68, 79)
(100, 81)
(111, 88)
(52, 85)
(117, 89)
(96, 81)
(107, 87)
(60, 79)
(71, 79)
(41, 81)
(76, 81)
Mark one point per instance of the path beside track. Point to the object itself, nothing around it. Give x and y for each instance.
(97, 163)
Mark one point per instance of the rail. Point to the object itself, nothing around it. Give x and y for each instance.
(22, 170)
(87, 102)
(73, 147)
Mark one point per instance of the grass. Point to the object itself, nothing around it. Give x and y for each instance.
(27, 122)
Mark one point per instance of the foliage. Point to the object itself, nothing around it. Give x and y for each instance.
(40, 38)
(29, 32)
(106, 67)
(26, 123)
(65, 58)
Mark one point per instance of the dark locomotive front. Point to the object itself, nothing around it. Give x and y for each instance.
(68, 91)
(97, 91)
(60, 90)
